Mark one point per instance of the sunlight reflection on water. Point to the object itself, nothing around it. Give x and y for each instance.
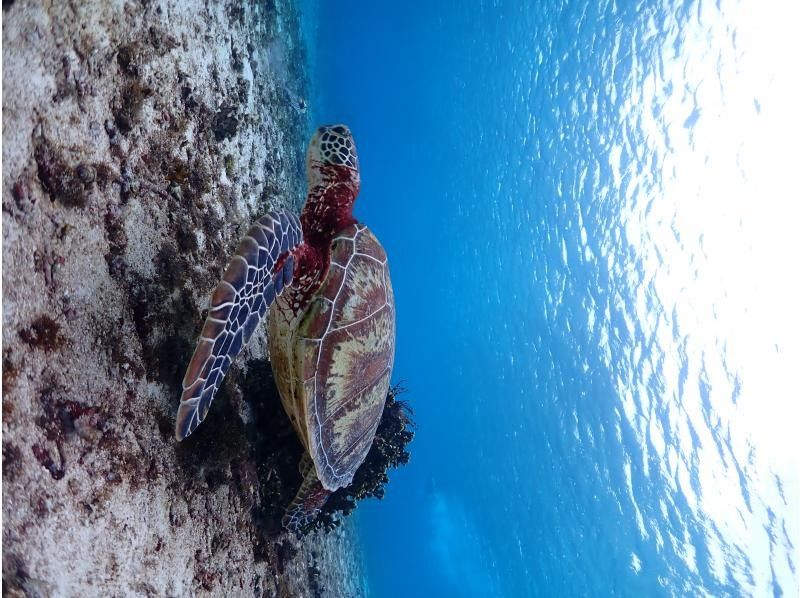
(665, 244)
(712, 227)
(590, 209)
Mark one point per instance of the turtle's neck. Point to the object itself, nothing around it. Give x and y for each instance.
(328, 210)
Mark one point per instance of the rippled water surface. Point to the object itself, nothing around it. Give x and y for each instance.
(590, 212)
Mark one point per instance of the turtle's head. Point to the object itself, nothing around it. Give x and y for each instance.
(332, 157)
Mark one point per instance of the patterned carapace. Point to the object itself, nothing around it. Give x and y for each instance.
(331, 331)
(332, 362)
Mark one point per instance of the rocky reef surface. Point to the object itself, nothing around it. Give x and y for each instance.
(139, 140)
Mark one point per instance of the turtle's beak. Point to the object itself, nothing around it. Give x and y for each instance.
(313, 148)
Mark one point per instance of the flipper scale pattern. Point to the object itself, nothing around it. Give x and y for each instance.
(239, 303)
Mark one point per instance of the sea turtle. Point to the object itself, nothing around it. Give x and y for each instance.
(331, 323)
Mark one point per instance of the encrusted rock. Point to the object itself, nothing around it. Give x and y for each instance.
(120, 209)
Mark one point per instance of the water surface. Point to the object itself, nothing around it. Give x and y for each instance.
(589, 209)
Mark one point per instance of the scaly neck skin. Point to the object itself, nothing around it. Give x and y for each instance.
(329, 205)
(328, 210)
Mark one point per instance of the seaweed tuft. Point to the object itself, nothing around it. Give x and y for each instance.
(277, 450)
(43, 333)
(128, 105)
(62, 182)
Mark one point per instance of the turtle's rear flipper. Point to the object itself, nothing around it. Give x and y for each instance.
(307, 504)
(262, 266)
(305, 464)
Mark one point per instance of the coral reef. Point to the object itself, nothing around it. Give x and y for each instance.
(139, 137)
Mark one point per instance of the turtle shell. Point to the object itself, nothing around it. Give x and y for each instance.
(333, 360)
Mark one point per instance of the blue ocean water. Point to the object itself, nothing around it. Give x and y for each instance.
(590, 213)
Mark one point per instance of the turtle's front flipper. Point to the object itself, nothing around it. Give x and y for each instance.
(262, 266)
(307, 504)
